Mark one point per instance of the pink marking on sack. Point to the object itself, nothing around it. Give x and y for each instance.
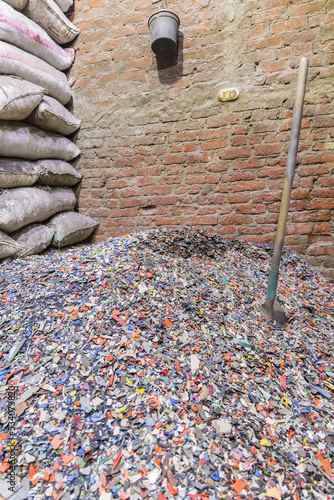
(34, 36)
(16, 57)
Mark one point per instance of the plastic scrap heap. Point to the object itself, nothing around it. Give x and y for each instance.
(143, 367)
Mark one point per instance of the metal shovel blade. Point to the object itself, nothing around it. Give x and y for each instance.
(276, 313)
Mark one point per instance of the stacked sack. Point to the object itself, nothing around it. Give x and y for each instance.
(34, 125)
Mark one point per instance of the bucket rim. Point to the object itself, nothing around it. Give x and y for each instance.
(162, 11)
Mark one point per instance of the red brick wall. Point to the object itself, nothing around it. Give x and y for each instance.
(159, 149)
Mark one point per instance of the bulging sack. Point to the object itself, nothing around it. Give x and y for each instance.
(32, 143)
(17, 4)
(8, 246)
(22, 206)
(18, 98)
(50, 17)
(71, 228)
(34, 238)
(17, 29)
(51, 115)
(58, 173)
(17, 62)
(18, 173)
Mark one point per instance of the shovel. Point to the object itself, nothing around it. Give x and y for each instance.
(271, 307)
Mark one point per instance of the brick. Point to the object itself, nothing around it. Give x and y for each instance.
(206, 210)
(238, 140)
(183, 210)
(267, 219)
(124, 213)
(327, 249)
(274, 66)
(267, 126)
(195, 169)
(312, 170)
(326, 181)
(254, 31)
(239, 198)
(267, 149)
(323, 192)
(253, 233)
(249, 186)
(320, 238)
(228, 230)
(117, 183)
(214, 144)
(267, 15)
(158, 190)
(322, 204)
(291, 240)
(328, 262)
(169, 221)
(203, 179)
(130, 202)
(293, 228)
(272, 172)
(128, 223)
(152, 171)
(238, 175)
(308, 35)
(323, 121)
(267, 197)
(236, 219)
(328, 273)
(189, 146)
(171, 179)
(246, 164)
(286, 26)
(145, 181)
(263, 43)
(323, 227)
(112, 223)
(183, 137)
(250, 209)
(240, 129)
(312, 215)
(163, 200)
(299, 193)
(201, 220)
(205, 135)
(198, 157)
(231, 154)
(126, 193)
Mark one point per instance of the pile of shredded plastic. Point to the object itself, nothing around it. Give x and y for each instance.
(144, 367)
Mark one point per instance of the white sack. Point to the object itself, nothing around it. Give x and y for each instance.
(17, 4)
(8, 246)
(31, 143)
(51, 115)
(71, 228)
(50, 17)
(22, 206)
(17, 62)
(18, 173)
(64, 5)
(58, 173)
(18, 98)
(17, 29)
(34, 238)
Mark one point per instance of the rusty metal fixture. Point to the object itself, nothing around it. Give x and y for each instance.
(164, 25)
(271, 307)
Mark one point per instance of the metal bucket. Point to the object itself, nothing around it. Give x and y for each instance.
(164, 25)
